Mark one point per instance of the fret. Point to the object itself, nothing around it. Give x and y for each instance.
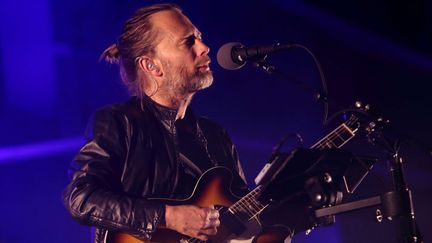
(252, 206)
(347, 135)
(244, 207)
(338, 137)
(239, 207)
(248, 204)
(347, 129)
(257, 206)
(330, 143)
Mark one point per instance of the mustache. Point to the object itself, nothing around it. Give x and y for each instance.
(203, 62)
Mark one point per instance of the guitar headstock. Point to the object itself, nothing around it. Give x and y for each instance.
(369, 122)
(353, 122)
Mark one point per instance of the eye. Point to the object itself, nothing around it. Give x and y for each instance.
(190, 41)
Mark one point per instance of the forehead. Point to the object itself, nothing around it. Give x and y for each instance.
(172, 24)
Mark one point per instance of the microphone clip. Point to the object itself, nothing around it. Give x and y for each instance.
(263, 65)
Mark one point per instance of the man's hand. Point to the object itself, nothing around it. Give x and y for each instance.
(193, 221)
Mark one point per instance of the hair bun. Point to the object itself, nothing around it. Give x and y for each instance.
(111, 54)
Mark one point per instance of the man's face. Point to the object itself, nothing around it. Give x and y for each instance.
(182, 54)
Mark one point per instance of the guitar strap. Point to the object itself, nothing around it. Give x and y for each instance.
(187, 162)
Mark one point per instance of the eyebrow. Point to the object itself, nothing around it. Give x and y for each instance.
(198, 34)
(195, 32)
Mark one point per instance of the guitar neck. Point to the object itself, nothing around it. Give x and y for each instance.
(248, 206)
(338, 137)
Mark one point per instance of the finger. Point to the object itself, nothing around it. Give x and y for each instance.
(214, 223)
(203, 237)
(211, 213)
(214, 214)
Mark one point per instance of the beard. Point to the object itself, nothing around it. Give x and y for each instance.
(182, 82)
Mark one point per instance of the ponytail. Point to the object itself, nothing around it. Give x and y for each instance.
(111, 55)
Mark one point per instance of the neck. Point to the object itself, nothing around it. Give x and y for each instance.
(174, 102)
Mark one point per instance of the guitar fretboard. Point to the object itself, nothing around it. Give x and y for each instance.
(248, 207)
(337, 138)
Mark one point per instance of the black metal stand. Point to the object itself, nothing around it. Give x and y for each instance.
(396, 204)
(404, 210)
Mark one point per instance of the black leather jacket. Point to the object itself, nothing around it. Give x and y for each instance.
(131, 154)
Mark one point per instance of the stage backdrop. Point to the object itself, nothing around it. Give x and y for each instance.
(51, 82)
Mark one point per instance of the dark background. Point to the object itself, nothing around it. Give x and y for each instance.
(377, 52)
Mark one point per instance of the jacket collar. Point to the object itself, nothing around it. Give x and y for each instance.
(167, 115)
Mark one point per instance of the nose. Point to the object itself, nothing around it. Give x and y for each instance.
(202, 48)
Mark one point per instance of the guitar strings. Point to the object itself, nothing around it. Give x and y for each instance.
(338, 132)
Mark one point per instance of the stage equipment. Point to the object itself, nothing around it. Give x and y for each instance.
(316, 180)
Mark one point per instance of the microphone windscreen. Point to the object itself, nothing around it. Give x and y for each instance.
(225, 56)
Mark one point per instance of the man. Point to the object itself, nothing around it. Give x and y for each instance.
(152, 146)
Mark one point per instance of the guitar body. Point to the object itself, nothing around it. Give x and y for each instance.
(212, 189)
(272, 234)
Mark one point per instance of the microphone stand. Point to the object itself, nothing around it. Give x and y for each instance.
(270, 69)
(396, 204)
(261, 64)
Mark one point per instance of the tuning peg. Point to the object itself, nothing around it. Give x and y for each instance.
(372, 125)
(358, 104)
(382, 120)
(367, 107)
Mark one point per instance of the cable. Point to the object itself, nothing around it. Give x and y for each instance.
(319, 96)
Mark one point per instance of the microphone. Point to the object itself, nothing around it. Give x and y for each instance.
(233, 55)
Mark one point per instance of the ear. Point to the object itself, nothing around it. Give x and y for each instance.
(148, 65)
